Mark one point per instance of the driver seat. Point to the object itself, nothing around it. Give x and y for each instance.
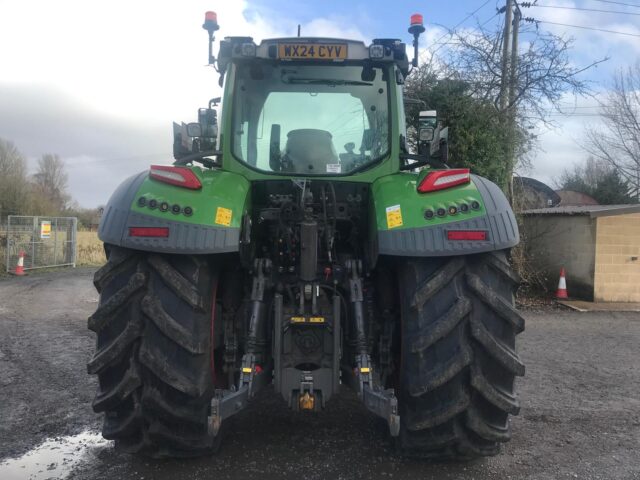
(310, 151)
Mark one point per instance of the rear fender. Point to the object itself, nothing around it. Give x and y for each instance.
(203, 221)
(403, 229)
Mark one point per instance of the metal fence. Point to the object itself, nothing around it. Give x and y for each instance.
(45, 241)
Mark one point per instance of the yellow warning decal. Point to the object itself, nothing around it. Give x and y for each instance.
(223, 216)
(297, 319)
(316, 320)
(394, 216)
(365, 370)
(246, 369)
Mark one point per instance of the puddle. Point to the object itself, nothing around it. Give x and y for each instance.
(53, 459)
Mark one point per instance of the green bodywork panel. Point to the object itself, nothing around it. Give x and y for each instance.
(398, 204)
(221, 192)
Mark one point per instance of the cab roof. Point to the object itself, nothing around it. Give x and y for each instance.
(313, 49)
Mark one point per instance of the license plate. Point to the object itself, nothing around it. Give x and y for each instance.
(315, 51)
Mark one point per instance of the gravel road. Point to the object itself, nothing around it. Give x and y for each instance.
(580, 404)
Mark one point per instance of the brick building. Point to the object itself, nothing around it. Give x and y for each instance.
(598, 245)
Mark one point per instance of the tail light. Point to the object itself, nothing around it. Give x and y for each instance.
(179, 176)
(444, 179)
(477, 235)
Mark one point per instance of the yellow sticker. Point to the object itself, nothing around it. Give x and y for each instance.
(223, 216)
(316, 320)
(297, 319)
(394, 216)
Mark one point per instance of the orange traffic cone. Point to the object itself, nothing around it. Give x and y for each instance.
(20, 265)
(562, 285)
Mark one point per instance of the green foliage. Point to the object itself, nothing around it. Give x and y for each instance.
(476, 135)
(598, 180)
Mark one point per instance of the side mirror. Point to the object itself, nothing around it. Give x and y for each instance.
(426, 134)
(208, 120)
(182, 144)
(194, 130)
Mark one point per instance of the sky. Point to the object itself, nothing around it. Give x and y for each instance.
(99, 83)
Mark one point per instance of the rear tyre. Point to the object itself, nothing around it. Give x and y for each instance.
(153, 352)
(458, 356)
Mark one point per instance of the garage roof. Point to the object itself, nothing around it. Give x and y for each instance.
(591, 210)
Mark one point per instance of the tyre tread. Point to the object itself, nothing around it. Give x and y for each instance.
(153, 365)
(458, 388)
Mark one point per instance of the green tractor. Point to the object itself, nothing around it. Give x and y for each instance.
(297, 244)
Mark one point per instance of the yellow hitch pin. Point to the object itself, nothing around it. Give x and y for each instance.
(307, 401)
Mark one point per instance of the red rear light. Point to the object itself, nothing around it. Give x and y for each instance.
(467, 235)
(444, 179)
(158, 232)
(179, 176)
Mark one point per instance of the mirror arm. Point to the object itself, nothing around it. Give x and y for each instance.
(200, 157)
(422, 161)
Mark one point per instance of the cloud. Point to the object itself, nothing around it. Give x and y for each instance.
(591, 43)
(560, 145)
(100, 83)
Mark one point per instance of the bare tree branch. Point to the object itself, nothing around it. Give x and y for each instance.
(618, 140)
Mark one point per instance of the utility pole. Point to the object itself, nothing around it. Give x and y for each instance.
(513, 87)
(505, 56)
(513, 77)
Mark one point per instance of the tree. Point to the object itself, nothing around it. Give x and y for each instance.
(617, 142)
(542, 76)
(14, 187)
(475, 136)
(600, 180)
(50, 185)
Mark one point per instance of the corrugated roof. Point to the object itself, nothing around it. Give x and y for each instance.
(591, 210)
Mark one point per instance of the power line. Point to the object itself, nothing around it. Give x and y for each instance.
(491, 18)
(579, 115)
(529, 4)
(619, 3)
(458, 24)
(533, 20)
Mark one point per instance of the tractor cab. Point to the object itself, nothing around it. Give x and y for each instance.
(305, 106)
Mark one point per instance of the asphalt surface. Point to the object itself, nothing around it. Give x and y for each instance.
(580, 405)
